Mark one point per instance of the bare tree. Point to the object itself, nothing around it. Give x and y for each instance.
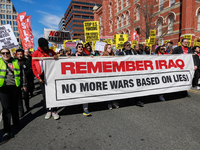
(146, 11)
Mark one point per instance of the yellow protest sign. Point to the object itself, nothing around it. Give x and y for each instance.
(189, 43)
(76, 40)
(134, 42)
(166, 41)
(13, 50)
(114, 39)
(146, 41)
(109, 41)
(91, 29)
(179, 43)
(120, 40)
(152, 40)
(31, 49)
(152, 33)
(189, 37)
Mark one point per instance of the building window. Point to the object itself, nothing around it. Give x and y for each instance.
(111, 24)
(3, 22)
(14, 23)
(8, 11)
(8, 6)
(100, 21)
(3, 11)
(160, 27)
(14, 17)
(77, 7)
(127, 32)
(117, 5)
(117, 22)
(122, 4)
(2, 16)
(127, 18)
(138, 13)
(3, 1)
(91, 8)
(2, 6)
(85, 8)
(9, 22)
(171, 3)
(85, 17)
(8, 16)
(122, 20)
(198, 24)
(110, 9)
(101, 32)
(170, 24)
(77, 16)
(161, 5)
(91, 17)
(127, 2)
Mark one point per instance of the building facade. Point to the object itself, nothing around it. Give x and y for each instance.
(171, 18)
(8, 15)
(77, 12)
(61, 25)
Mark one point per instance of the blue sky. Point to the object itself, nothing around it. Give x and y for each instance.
(44, 14)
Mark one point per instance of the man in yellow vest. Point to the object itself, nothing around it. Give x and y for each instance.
(11, 82)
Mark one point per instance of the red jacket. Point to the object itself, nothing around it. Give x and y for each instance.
(37, 65)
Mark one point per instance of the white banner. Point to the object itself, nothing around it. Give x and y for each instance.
(55, 36)
(7, 37)
(82, 80)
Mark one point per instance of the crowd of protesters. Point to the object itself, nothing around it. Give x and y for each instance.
(17, 75)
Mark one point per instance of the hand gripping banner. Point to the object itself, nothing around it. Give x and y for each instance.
(73, 81)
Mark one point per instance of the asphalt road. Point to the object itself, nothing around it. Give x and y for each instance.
(170, 125)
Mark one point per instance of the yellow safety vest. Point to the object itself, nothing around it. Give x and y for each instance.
(3, 69)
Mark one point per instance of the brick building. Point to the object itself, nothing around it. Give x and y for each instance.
(172, 18)
(77, 12)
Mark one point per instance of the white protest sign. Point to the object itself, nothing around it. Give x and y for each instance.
(80, 80)
(99, 46)
(55, 36)
(7, 37)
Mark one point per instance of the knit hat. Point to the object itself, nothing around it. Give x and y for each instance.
(42, 42)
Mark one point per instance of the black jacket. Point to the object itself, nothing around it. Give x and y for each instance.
(179, 50)
(196, 60)
(26, 65)
(127, 52)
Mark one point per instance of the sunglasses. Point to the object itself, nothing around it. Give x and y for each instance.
(3, 53)
(80, 46)
(162, 49)
(128, 45)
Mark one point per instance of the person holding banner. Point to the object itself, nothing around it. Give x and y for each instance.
(88, 50)
(108, 51)
(196, 51)
(127, 50)
(80, 52)
(68, 52)
(37, 66)
(11, 82)
(183, 49)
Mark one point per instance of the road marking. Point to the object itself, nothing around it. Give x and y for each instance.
(194, 91)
